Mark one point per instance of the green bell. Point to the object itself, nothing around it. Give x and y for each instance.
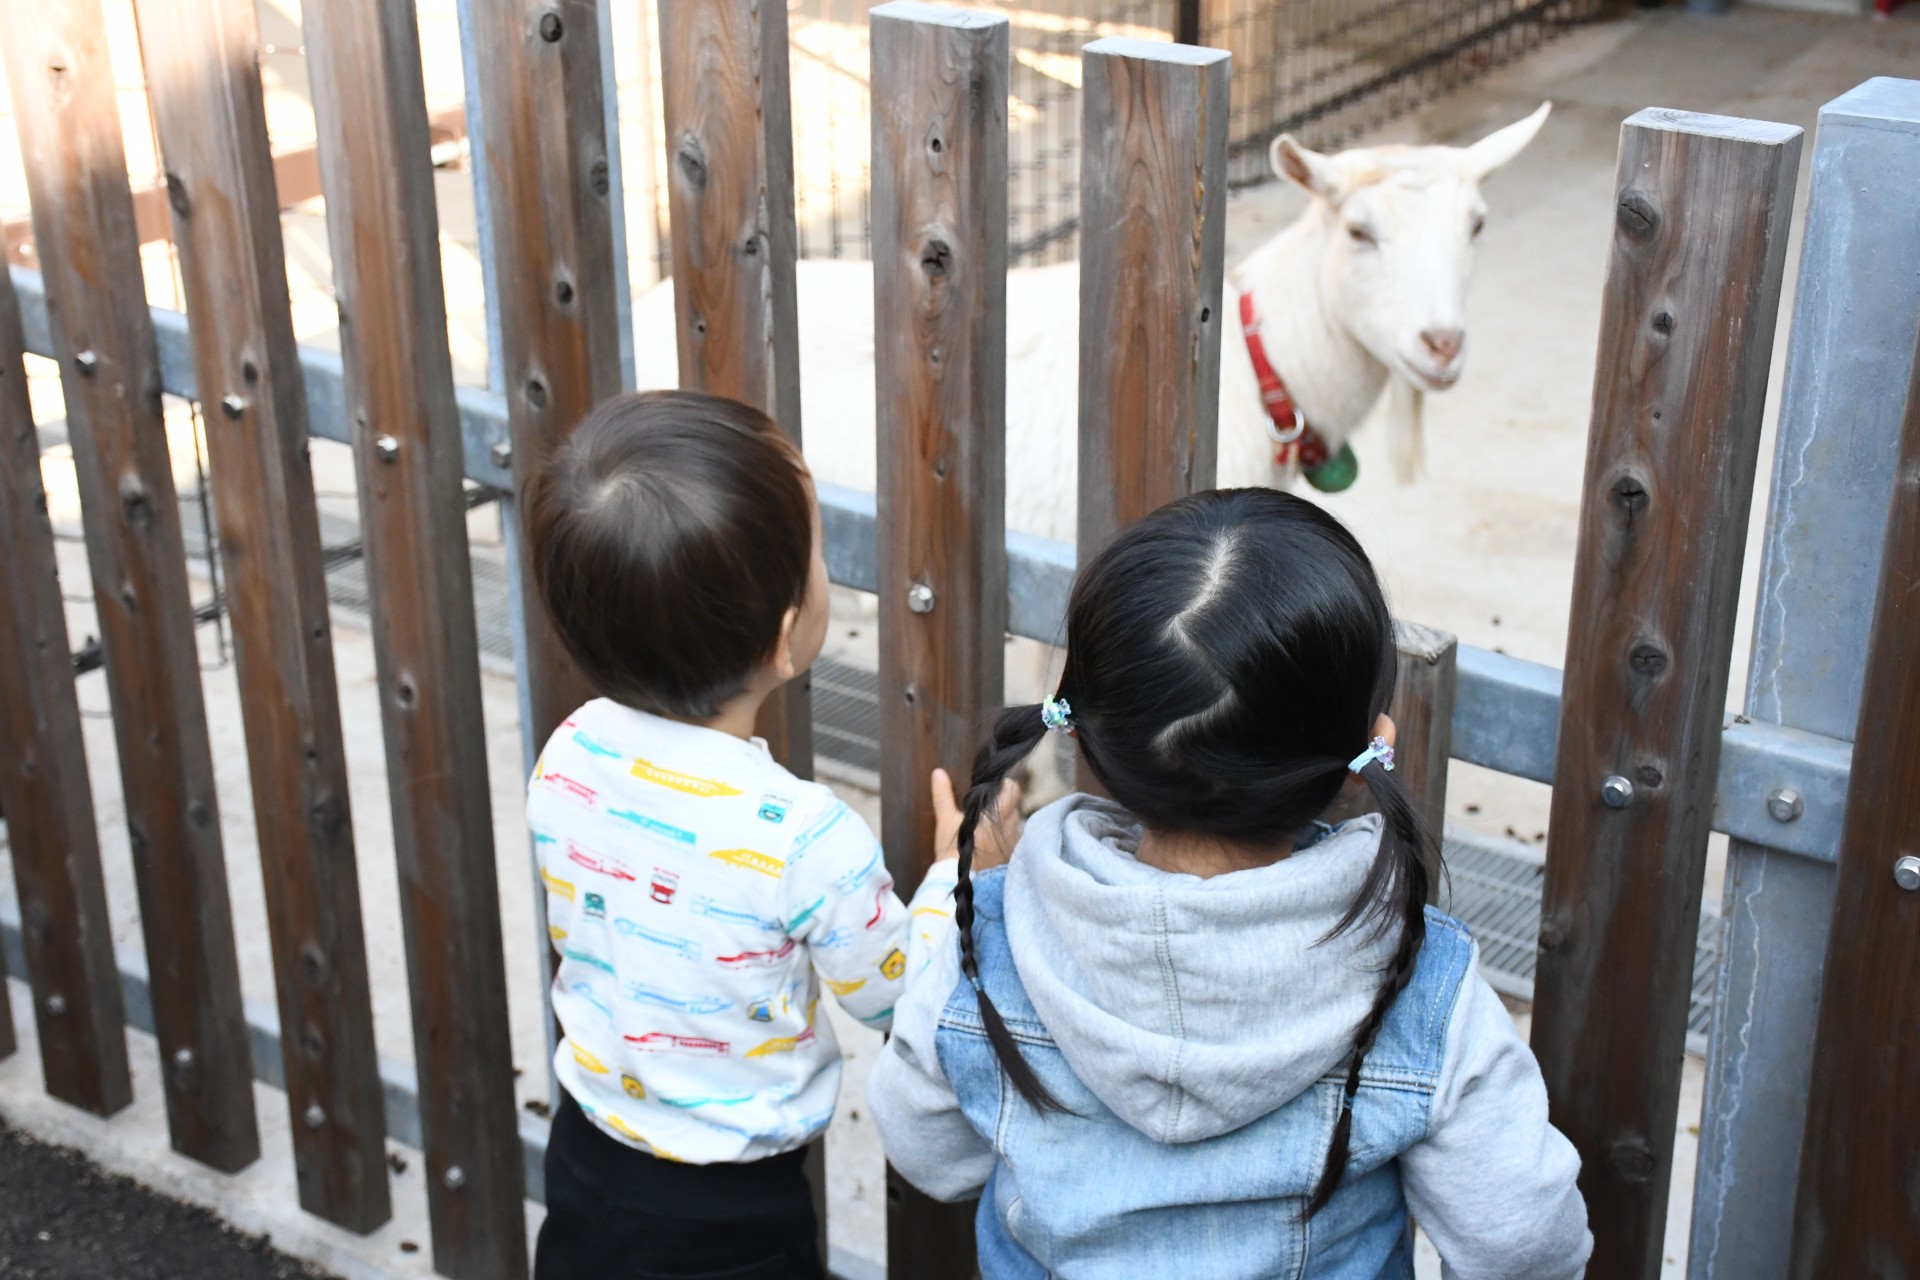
(1336, 473)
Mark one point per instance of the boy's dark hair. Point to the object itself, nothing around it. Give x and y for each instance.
(1226, 659)
(669, 536)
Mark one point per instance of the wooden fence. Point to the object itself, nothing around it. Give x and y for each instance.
(1642, 771)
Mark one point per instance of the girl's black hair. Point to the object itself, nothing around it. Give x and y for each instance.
(1226, 659)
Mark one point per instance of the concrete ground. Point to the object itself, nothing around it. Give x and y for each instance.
(1482, 546)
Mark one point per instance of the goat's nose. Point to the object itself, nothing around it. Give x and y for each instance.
(1444, 344)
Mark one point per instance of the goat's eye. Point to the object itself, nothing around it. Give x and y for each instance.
(1479, 225)
(1360, 235)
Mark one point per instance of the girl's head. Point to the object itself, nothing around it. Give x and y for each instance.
(1227, 658)
(676, 540)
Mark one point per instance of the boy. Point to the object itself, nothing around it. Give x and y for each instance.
(695, 888)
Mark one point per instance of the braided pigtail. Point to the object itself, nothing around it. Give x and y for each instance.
(1395, 888)
(1015, 734)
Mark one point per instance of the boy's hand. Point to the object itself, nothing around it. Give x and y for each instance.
(993, 839)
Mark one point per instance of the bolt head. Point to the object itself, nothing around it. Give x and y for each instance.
(1906, 873)
(455, 1177)
(233, 406)
(1785, 804)
(386, 448)
(183, 1059)
(315, 1116)
(502, 455)
(920, 598)
(86, 361)
(56, 1005)
(1616, 792)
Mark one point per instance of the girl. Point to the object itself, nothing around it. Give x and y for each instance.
(1190, 1031)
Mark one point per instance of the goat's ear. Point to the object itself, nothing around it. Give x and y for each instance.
(1502, 145)
(1306, 169)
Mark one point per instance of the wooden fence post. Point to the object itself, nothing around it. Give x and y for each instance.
(204, 84)
(1687, 325)
(1857, 1212)
(1153, 198)
(542, 151)
(940, 80)
(1422, 712)
(729, 129)
(43, 781)
(364, 65)
(69, 126)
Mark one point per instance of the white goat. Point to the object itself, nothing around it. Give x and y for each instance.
(1369, 281)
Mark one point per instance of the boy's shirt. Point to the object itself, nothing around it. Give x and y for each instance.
(697, 894)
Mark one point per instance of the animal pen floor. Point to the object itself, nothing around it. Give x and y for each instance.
(1482, 546)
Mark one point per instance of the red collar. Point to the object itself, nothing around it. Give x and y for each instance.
(1288, 429)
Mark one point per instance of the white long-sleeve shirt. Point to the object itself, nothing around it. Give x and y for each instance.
(698, 893)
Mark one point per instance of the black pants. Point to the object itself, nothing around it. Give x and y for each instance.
(614, 1213)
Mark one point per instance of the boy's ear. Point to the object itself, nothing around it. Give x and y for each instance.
(783, 664)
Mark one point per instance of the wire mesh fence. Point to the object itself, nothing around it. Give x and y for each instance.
(1322, 69)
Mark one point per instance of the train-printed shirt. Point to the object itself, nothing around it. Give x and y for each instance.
(698, 895)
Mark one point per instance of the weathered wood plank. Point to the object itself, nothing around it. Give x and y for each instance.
(1422, 711)
(1857, 1212)
(1687, 327)
(204, 84)
(103, 335)
(729, 130)
(364, 64)
(43, 781)
(542, 152)
(940, 79)
(1153, 192)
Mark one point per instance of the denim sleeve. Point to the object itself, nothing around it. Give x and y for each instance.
(1493, 1183)
(914, 1107)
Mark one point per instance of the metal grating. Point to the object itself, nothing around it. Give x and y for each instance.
(1495, 891)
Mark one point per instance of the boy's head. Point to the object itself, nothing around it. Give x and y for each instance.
(676, 541)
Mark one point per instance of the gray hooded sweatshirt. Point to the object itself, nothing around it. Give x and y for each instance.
(1193, 1007)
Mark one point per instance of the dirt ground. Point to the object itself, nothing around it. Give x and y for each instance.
(62, 1217)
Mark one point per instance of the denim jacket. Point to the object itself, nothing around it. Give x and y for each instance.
(1199, 1111)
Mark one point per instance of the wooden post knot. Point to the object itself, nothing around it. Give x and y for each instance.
(598, 177)
(135, 507)
(1663, 323)
(551, 28)
(1630, 496)
(693, 161)
(1648, 660)
(1636, 216)
(177, 196)
(1631, 1160)
(936, 259)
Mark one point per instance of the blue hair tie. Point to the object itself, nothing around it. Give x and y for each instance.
(1376, 750)
(1057, 715)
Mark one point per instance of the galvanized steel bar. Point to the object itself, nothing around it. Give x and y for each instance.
(1507, 717)
(1854, 321)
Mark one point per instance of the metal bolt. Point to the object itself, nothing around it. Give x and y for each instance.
(455, 1177)
(183, 1060)
(233, 405)
(315, 1117)
(1616, 792)
(502, 455)
(87, 361)
(386, 448)
(920, 598)
(1785, 804)
(56, 1005)
(1906, 873)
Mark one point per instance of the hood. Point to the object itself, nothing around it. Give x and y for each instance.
(1189, 1006)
